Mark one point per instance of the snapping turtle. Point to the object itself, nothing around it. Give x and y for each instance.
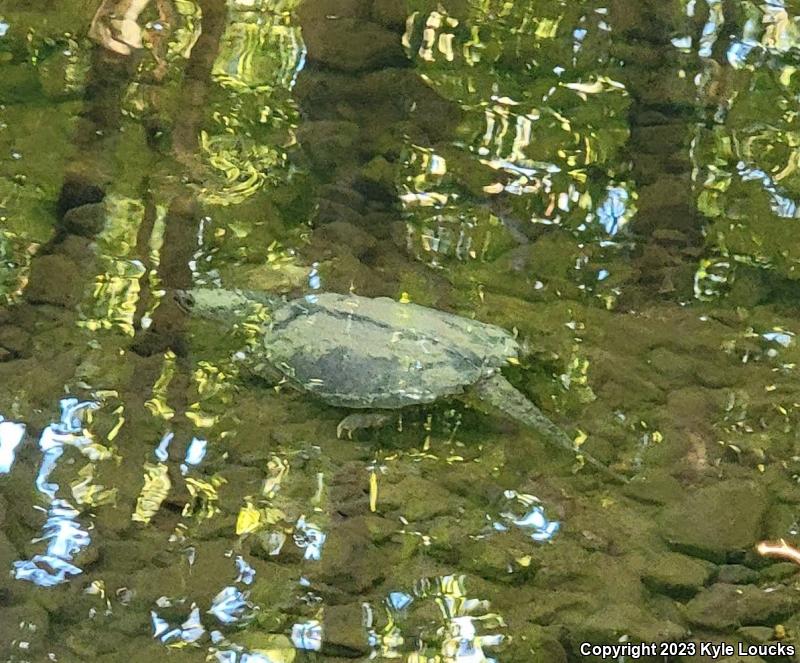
(378, 355)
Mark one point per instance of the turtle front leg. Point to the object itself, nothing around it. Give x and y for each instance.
(361, 420)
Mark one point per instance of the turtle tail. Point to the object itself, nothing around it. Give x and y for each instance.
(503, 397)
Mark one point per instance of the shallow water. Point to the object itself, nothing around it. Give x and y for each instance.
(614, 183)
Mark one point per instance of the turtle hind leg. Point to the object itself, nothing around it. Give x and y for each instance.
(501, 396)
(361, 420)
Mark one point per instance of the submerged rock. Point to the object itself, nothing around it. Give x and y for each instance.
(676, 575)
(350, 44)
(377, 180)
(778, 572)
(15, 340)
(322, 9)
(8, 554)
(24, 623)
(658, 487)
(326, 143)
(347, 561)
(390, 13)
(417, 499)
(717, 522)
(757, 634)
(87, 220)
(20, 83)
(724, 607)
(341, 235)
(78, 190)
(736, 574)
(536, 644)
(344, 631)
(52, 281)
(630, 619)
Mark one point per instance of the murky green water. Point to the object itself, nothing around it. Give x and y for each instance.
(614, 183)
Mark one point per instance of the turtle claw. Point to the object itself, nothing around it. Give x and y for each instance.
(359, 421)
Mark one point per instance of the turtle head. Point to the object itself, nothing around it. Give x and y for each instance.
(221, 305)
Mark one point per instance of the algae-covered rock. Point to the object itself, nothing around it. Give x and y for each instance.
(350, 44)
(716, 521)
(671, 364)
(344, 631)
(338, 235)
(380, 529)
(493, 562)
(28, 623)
(778, 571)
(349, 562)
(736, 574)
(282, 582)
(322, 9)
(724, 607)
(137, 650)
(658, 487)
(416, 499)
(635, 621)
(53, 281)
(676, 575)
(8, 555)
(756, 634)
(77, 190)
(327, 143)
(87, 220)
(390, 13)
(780, 518)
(749, 288)
(268, 646)
(90, 642)
(19, 83)
(377, 180)
(15, 340)
(535, 644)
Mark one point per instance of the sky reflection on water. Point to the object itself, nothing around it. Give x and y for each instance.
(66, 537)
